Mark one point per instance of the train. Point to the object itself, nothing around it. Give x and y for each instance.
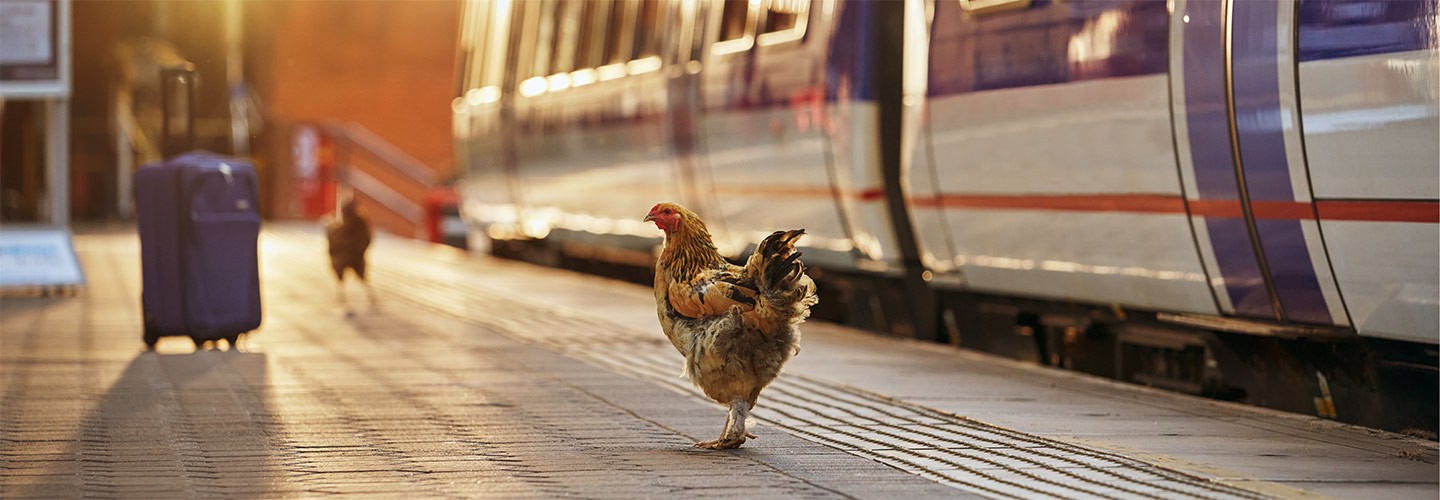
(1238, 199)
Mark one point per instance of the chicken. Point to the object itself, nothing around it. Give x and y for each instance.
(349, 236)
(736, 326)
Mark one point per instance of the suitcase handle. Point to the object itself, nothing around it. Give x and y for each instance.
(173, 79)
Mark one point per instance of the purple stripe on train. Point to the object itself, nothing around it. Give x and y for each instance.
(1057, 42)
(1261, 134)
(1208, 121)
(851, 55)
(1331, 29)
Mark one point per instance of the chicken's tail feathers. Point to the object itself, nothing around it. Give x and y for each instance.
(779, 243)
(774, 256)
(786, 292)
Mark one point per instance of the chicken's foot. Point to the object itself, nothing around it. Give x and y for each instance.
(734, 433)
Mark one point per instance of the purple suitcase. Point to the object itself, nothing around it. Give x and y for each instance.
(199, 224)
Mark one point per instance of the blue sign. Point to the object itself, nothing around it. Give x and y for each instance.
(38, 256)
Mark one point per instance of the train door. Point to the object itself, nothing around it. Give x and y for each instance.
(1367, 77)
(1248, 191)
(483, 118)
(761, 96)
(931, 227)
(1050, 162)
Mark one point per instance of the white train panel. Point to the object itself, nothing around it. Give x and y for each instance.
(1372, 125)
(768, 176)
(1372, 132)
(859, 184)
(1100, 136)
(1146, 261)
(1390, 276)
(1077, 166)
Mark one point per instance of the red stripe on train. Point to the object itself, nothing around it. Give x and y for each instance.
(871, 194)
(1264, 210)
(1380, 211)
(1145, 203)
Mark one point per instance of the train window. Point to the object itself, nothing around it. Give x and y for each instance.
(566, 24)
(734, 20)
(781, 15)
(978, 7)
(496, 48)
(472, 36)
(589, 44)
(618, 34)
(737, 24)
(535, 39)
(542, 29)
(784, 21)
(647, 34)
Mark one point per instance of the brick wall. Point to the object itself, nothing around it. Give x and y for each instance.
(385, 64)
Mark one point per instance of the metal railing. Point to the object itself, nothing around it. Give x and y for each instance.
(370, 166)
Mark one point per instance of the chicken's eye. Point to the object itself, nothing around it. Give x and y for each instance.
(668, 211)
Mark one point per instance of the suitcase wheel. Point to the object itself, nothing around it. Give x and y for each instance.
(152, 334)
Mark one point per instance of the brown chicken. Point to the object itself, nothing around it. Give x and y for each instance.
(349, 236)
(736, 326)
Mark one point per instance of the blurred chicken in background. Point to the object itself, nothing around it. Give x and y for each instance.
(349, 236)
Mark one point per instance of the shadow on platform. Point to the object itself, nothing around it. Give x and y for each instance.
(194, 424)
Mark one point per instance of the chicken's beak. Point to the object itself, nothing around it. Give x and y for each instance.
(649, 217)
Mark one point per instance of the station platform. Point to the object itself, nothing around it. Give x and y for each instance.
(478, 377)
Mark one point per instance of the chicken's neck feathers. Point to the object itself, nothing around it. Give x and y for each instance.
(689, 250)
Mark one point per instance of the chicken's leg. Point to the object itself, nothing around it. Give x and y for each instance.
(340, 292)
(369, 293)
(359, 268)
(734, 434)
(339, 283)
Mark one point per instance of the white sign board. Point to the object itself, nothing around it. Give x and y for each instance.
(34, 48)
(38, 256)
(27, 35)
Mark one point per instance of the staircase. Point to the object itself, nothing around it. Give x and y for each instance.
(392, 186)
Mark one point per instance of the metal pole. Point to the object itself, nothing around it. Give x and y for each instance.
(235, 78)
(57, 160)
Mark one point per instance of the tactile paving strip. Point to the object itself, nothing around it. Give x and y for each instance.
(948, 448)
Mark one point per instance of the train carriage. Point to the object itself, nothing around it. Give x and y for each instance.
(1229, 198)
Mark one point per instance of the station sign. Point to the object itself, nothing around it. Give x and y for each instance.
(34, 49)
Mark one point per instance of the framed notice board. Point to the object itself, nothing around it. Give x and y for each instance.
(34, 48)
